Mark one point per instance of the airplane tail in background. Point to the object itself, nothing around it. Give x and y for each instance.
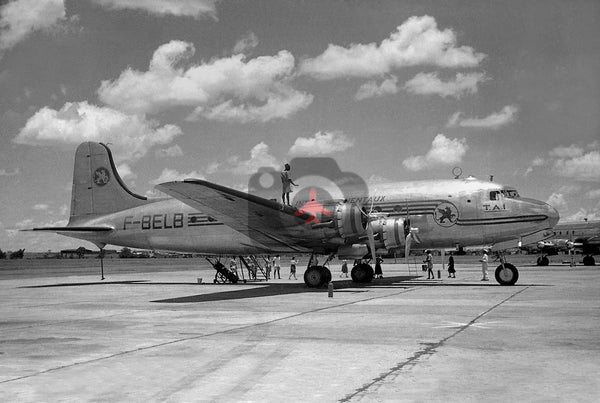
(97, 187)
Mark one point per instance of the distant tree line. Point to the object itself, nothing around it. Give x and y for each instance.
(13, 255)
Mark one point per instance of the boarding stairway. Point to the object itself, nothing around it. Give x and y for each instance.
(255, 270)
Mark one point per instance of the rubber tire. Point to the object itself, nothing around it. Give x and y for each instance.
(314, 276)
(326, 274)
(589, 260)
(543, 261)
(362, 273)
(508, 276)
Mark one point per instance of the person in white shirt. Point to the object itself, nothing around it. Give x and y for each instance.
(484, 265)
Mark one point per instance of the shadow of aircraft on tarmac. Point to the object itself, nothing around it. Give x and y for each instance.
(270, 289)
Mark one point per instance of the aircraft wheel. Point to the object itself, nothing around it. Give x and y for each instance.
(543, 261)
(326, 274)
(589, 261)
(314, 276)
(507, 275)
(362, 273)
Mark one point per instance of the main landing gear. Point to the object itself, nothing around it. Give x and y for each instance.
(506, 273)
(589, 260)
(317, 276)
(362, 273)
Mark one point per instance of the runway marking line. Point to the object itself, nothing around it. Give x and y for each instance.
(233, 330)
(429, 350)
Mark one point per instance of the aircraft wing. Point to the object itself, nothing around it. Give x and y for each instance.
(261, 219)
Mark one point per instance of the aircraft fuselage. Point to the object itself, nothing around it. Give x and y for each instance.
(447, 213)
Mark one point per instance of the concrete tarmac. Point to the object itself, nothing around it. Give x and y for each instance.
(161, 336)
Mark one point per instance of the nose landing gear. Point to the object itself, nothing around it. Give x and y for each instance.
(507, 274)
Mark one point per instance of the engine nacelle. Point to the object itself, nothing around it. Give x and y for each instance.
(354, 251)
(350, 221)
(391, 231)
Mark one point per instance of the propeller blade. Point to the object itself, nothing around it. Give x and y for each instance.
(414, 232)
(371, 239)
(407, 244)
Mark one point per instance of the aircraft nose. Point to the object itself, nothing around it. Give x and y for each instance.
(553, 216)
(542, 208)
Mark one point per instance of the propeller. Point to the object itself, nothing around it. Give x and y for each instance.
(571, 244)
(369, 229)
(412, 234)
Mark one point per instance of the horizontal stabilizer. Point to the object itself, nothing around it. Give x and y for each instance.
(72, 229)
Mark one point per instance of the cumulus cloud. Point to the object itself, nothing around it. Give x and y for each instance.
(231, 88)
(496, 120)
(168, 175)
(585, 167)
(557, 200)
(590, 214)
(179, 8)
(125, 171)
(537, 162)
(593, 194)
(431, 84)
(322, 143)
(259, 157)
(443, 151)
(371, 89)
(418, 41)
(573, 161)
(571, 151)
(20, 18)
(173, 151)
(281, 104)
(132, 135)
(246, 43)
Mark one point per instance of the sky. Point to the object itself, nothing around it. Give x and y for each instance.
(216, 89)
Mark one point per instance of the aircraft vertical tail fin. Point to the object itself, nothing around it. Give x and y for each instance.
(97, 187)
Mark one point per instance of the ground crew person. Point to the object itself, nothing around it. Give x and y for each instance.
(277, 267)
(484, 265)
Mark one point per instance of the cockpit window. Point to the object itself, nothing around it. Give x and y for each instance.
(510, 193)
(494, 195)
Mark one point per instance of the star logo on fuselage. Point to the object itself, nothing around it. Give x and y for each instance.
(312, 208)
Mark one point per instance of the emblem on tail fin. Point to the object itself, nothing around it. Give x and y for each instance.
(101, 176)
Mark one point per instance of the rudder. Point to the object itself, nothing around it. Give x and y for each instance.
(97, 187)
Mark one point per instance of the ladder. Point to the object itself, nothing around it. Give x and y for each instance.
(254, 267)
(414, 265)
